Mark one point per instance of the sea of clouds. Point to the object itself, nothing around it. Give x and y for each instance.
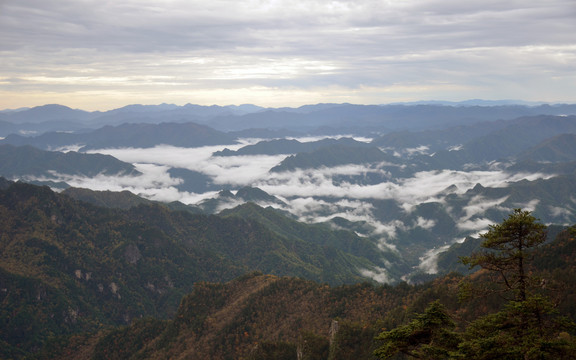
(309, 194)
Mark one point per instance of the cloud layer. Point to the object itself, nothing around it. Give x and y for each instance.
(104, 54)
(311, 195)
(315, 196)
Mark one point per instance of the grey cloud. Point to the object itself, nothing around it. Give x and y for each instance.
(474, 225)
(378, 274)
(423, 48)
(253, 170)
(560, 212)
(272, 27)
(529, 206)
(478, 206)
(154, 182)
(429, 262)
(312, 196)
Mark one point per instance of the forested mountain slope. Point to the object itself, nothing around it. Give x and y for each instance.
(260, 316)
(74, 267)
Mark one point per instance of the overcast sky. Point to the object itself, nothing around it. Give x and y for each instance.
(105, 54)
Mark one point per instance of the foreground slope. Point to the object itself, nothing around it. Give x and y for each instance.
(261, 316)
(68, 266)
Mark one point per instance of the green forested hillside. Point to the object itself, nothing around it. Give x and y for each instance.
(320, 234)
(267, 317)
(109, 199)
(69, 268)
(263, 317)
(73, 267)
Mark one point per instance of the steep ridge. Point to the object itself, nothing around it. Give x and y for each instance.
(110, 199)
(519, 135)
(286, 146)
(122, 200)
(76, 267)
(333, 156)
(343, 240)
(561, 148)
(242, 318)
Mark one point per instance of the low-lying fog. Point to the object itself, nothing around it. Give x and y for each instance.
(312, 194)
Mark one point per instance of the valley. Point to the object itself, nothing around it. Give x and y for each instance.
(102, 227)
(412, 188)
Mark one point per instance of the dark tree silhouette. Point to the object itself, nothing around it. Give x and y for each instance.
(428, 336)
(508, 250)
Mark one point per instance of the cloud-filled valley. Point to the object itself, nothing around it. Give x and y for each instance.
(411, 193)
(254, 170)
(239, 171)
(313, 196)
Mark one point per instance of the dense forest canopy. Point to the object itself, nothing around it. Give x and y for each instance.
(77, 268)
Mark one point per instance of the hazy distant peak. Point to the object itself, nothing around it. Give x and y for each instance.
(245, 109)
(14, 110)
(49, 112)
(471, 102)
(53, 107)
(145, 108)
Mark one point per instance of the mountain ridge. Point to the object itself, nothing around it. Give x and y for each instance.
(18, 161)
(128, 135)
(259, 316)
(363, 118)
(76, 267)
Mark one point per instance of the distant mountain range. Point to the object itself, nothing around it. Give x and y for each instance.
(516, 137)
(331, 156)
(243, 232)
(369, 182)
(474, 102)
(128, 135)
(365, 119)
(319, 118)
(561, 148)
(288, 146)
(28, 161)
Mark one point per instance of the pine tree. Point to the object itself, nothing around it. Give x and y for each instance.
(508, 251)
(428, 336)
(528, 326)
(523, 330)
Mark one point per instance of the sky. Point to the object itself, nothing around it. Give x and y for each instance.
(100, 54)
